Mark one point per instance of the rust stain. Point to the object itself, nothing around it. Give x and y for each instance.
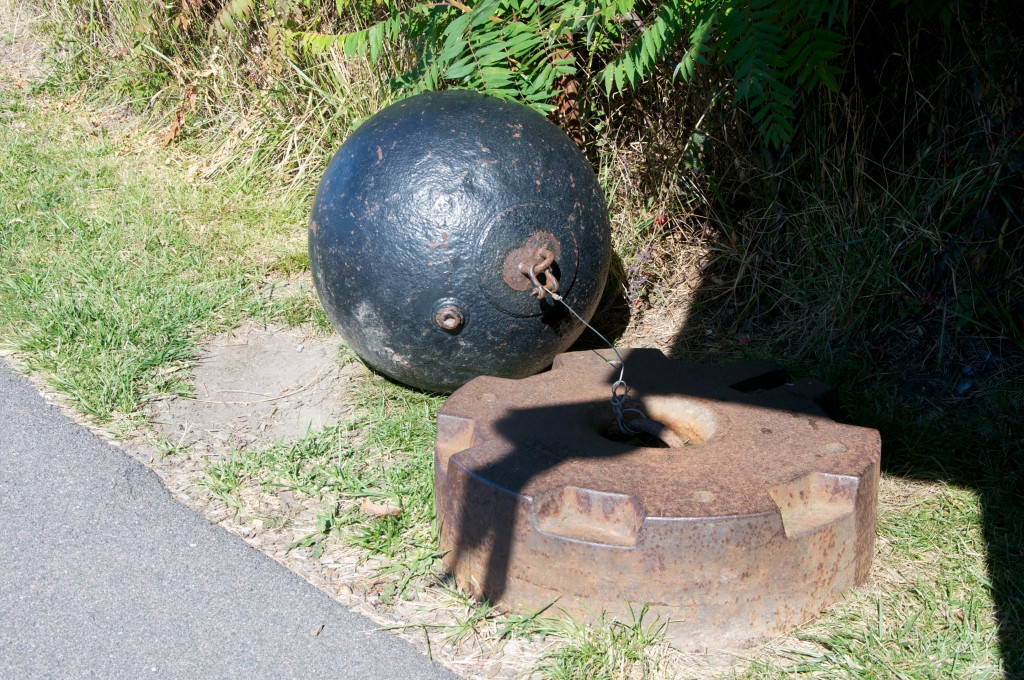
(511, 273)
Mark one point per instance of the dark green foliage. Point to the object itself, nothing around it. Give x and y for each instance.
(540, 51)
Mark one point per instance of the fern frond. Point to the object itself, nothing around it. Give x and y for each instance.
(649, 49)
(529, 49)
(810, 57)
(367, 42)
(232, 16)
(700, 45)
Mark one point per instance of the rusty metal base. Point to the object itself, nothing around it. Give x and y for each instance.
(765, 516)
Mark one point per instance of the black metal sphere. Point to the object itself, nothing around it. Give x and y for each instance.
(425, 226)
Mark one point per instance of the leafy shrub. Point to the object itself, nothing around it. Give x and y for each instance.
(545, 53)
(542, 51)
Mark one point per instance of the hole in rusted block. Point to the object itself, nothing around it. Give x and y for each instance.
(768, 380)
(813, 501)
(589, 515)
(641, 432)
(645, 440)
(672, 422)
(691, 422)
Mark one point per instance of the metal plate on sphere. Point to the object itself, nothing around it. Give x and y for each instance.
(515, 231)
(762, 513)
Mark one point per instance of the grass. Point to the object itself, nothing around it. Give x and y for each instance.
(383, 455)
(928, 611)
(105, 293)
(944, 598)
(246, 118)
(605, 649)
(116, 268)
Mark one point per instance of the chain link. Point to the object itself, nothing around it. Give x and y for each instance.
(620, 389)
(550, 285)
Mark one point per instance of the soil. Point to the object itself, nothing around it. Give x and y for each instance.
(254, 386)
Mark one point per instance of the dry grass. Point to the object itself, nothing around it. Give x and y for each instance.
(21, 50)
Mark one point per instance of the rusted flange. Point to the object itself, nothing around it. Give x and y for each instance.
(762, 519)
(529, 253)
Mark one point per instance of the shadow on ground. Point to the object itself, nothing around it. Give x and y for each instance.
(958, 442)
(932, 434)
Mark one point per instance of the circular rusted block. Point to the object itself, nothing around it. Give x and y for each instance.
(761, 518)
(424, 227)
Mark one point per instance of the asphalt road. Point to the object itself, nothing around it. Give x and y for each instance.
(103, 574)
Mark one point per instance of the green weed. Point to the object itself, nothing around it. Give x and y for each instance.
(607, 649)
(326, 522)
(114, 272)
(383, 455)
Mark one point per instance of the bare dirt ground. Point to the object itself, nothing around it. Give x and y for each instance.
(21, 52)
(256, 385)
